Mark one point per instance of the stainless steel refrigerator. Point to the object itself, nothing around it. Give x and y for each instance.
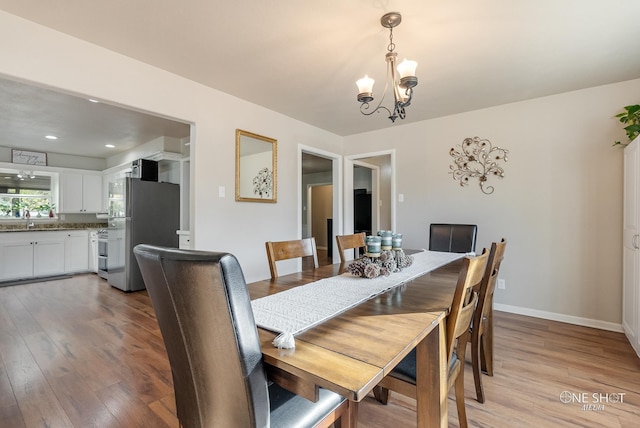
(140, 212)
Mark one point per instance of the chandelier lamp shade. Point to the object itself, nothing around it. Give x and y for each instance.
(402, 77)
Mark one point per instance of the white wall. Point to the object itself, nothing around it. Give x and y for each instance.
(37, 54)
(559, 204)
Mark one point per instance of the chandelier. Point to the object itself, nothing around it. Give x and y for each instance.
(402, 87)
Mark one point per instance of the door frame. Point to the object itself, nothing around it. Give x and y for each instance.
(348, 188)
(337, 180)
(375, 192)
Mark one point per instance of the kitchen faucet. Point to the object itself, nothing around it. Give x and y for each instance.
(27, 216)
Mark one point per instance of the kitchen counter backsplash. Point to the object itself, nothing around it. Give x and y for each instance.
(39, 227)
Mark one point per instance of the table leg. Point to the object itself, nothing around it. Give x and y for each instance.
(431, 374)
(353, 415)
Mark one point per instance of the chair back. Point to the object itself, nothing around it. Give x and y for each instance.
(283, 250)
(453, 238)
(204, 312)
(488, 284)
(464, 299)
(348, 242)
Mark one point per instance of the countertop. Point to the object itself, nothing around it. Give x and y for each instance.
(50, 227)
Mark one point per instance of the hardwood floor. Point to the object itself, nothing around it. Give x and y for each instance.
(78, 353)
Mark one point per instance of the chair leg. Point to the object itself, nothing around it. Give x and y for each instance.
(459, 385)
(345, 416)
(476, 354)
(486, 347)
(381, 394)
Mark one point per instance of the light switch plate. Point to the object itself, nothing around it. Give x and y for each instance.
(221, 192)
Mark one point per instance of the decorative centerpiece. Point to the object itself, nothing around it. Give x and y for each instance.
(384, 256)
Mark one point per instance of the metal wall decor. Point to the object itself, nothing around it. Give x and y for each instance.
(476, 157)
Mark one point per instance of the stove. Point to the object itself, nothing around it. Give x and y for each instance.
(103, 252)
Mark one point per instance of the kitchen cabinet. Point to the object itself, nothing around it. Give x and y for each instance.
(184, 239)
(76, 251)
(31, 254)
(631, 245)
(111, 177)
(80, 192)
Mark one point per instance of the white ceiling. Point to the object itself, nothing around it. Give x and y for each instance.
(302, 58)
(29, 113)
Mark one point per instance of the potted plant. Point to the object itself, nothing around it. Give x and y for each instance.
(631, 118)
(46, 208)
(5, 207)
(17, 206)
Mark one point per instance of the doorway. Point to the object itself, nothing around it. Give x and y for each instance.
(380, 166)
(320, 200)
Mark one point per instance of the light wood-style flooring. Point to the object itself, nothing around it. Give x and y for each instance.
(79, 353)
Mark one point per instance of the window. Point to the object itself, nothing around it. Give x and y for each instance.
(25, 190)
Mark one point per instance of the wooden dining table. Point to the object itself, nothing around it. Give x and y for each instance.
(350, 353)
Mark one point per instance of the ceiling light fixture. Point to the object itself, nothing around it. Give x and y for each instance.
(50, 137)
(21, 175)
(111, 146)
(402, 88)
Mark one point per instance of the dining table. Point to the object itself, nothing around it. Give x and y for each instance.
(353, 351)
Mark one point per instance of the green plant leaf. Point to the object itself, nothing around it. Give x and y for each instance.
(633, 109)
(631, 118)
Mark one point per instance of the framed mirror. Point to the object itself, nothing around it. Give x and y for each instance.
(256, 167)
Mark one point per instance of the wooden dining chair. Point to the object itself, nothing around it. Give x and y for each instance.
(402, 378)
(482, 323)
(348, 242)
(204, 313)
(284, 250)
(453, 238)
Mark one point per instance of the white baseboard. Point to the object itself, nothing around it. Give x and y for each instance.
(587, 322)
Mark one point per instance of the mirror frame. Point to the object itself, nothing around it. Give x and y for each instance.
(243, 140)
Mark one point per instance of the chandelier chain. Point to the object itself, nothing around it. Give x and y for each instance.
(392, 45)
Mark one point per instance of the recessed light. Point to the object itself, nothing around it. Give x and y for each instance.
(111, 146)
(93, 101)
(51, 137)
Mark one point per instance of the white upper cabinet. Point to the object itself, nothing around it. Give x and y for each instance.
(80, 192)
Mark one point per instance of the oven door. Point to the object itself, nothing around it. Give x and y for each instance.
(102, 247)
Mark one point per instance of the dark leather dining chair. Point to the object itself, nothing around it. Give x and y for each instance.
(453, 238)
(402, 378)
(482, 324)
(204, 312)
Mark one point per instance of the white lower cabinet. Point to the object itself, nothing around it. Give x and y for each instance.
(31, 254)
(16, 259)
(48, 256)
(184, 239)
(25, 255)
(76, 251)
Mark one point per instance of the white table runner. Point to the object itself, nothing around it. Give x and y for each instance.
(298, 309)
